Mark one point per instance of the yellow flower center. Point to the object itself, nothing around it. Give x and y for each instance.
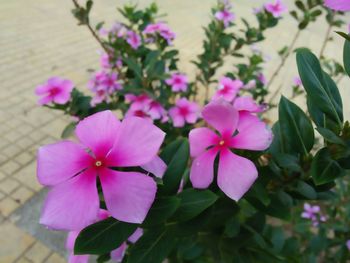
(98, 163)
(222, 142)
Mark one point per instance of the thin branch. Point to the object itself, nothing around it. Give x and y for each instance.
(283, 61)
(325, 41)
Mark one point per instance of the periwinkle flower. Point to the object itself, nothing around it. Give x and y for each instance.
(276, 8)
(55, 90)
(338, 5)
(183, 112)
(133, 39)
(178, 82)
(228, 89)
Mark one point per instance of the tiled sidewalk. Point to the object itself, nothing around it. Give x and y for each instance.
(39, 39)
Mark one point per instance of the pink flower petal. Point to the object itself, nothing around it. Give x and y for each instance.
(60, 161)
(72, 205)
(72, 236)
(117, 254)
(221, 115)
(128, 195)
(235, 174)
(202, 169)
(136, 235)
(253, 134)
(200, 139)
(137, 144)
(98, 132)
(156, 166)
(78, 258)
(339, 5)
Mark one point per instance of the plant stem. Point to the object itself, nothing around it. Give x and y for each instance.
(92, 30)
(325, 41)
(283, 61)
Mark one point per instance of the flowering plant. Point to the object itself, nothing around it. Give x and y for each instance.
(163, 170)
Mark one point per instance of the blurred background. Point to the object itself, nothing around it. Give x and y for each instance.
(40, 39)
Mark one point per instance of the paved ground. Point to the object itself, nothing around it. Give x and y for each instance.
(38, 39)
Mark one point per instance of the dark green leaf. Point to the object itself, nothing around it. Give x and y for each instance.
(162, 209)
(193, 202)
(324, 169)
(153, 247)
(296, 128)
(288, 161)
(68, 131)
(306, 190)
(102, 237)
(330, 136)
(346, 55)
(176, 156)
(343, 34)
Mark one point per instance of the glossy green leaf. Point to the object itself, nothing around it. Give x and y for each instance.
(324, 169)
(102, 237)
(68, 130)
(320, 90)
(154, 246)
(305, 190)
(346, 56)
(295, 127)
(193, 202)
(176, 156)
(162, 209)
(330, 136)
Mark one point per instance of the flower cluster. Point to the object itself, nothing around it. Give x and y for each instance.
(104, 85)
(276, 8)
(159, 29)
(225, 15)
(313, 213)
(55, 90)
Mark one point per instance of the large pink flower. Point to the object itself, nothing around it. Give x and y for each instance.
(277, 8)
(55, 90)
(246, 103)
(183, 112)
(71, 169)
(338, 5)
(237, 130)
(228, 89)
(178, 82)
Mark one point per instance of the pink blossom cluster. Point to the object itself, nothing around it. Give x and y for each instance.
(237, 128)
(183, 112)
(313, 213)
(107, 62)
(152, 31)
(71, 170)
(145, 107)
(103, 85)
(276, 8)
(55, 90)
(224, 14)
(178, 82)
(116, 254)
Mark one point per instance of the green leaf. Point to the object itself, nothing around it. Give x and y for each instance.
(330, 136)
(306, 190)
(288, 161)
(324, 169)
(153, 247)
(343, 34)
(102, 237)
(68, 130)
(162, 209)
(232, 227)
(296, 128)
(346, 55)
(193, 202)
(320, 90)
(134, 66)
(176, 157)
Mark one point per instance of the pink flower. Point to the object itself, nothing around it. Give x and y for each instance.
(310, 211)
(297, 81)
(107, 63)
(277, 8)
(116, 255)
(246, 103)
(338, 5)
(55, 90)
(348, 244)
(228, 89)
(226, 16)
(184, 112)
(71, 170)
(161, 29)
(133, 39)
(250, 85)
(262, 78)
(235, 174)
(178, 82)
(104, 84)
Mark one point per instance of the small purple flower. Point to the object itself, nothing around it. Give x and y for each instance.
(277, 8)
(314, 214)
(133, 39)
(348, 244)
(262, 78)
(226, 16)
(297, 81)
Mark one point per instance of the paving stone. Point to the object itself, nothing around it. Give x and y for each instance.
(13, 242)
(23, 260)
(9, 167)
(22, 194)
(55, 258)
(24, 158)
(27, 176)
(7, 206)
(38, 252)
(8, 185)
